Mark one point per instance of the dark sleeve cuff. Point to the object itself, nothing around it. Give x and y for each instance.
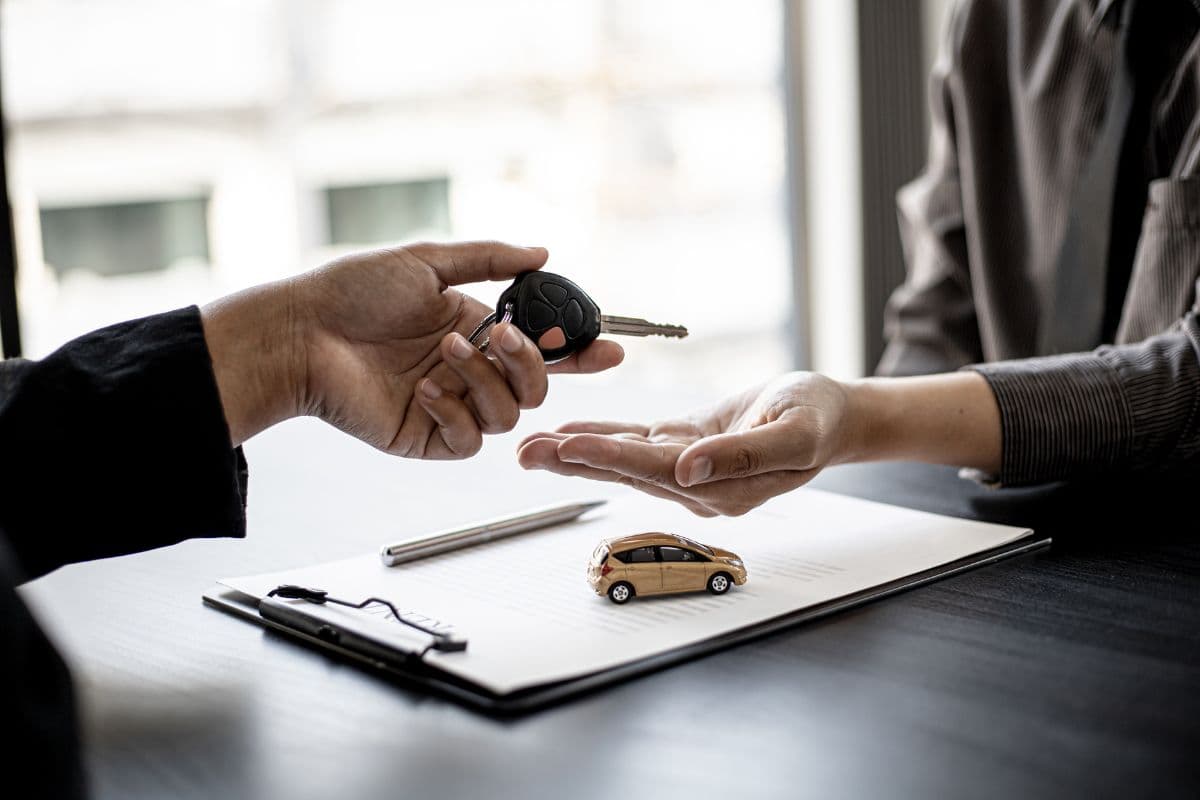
(1128, 408)
(117, 443)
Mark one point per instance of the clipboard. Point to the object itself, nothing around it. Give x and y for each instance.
(409, 669)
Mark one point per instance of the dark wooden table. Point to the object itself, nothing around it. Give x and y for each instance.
(1074, 671)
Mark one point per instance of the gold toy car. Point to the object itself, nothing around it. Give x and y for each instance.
(661, 563)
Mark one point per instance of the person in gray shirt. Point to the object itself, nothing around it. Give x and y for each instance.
(1048, 328)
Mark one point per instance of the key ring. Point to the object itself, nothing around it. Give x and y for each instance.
(486, 324)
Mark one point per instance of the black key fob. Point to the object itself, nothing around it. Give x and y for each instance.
(552, 311)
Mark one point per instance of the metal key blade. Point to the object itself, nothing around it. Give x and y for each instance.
(631, 326)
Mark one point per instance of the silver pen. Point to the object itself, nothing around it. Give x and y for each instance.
(456, 538)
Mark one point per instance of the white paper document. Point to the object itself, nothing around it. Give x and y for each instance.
(531, 618)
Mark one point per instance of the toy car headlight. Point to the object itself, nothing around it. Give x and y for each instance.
(736, 562)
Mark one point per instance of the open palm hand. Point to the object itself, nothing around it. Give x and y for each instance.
(727, 459)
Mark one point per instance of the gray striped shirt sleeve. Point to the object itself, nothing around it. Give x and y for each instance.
(1133, 407)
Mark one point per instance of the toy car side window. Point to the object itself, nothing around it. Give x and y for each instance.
(688, 544)
(642, 555)
(623, 557)
(681, 554)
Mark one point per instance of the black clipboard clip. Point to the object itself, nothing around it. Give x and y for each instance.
(281, 613)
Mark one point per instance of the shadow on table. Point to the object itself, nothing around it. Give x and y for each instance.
(1095, 515)
(140, 738)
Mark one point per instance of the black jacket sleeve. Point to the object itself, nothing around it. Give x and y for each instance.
(116, 443)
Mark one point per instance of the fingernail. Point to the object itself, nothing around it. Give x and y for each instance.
(430, 389)
(510, 340)
(461, 348)
(702, 469)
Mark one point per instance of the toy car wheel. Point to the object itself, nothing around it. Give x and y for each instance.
(620, 593)
(719, 583)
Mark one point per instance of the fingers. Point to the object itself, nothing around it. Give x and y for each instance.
(605, 427)
(469, 262)
(538, 452)
(762, 449)
(456, 424)
(522, 364)
(497, 399)
(533, 437)
(598, 356)
(651, 462)
(477, 394)
(651, 467)
(542, 453)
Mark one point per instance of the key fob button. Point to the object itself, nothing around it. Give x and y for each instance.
(573, 318)
(554, 293)
(552, 339)
(539, 315)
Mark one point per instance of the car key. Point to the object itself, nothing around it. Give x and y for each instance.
(560, 317)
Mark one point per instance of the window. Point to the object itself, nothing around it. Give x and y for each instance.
(389, 212)
(679, 554)
(125, 238)
(642, 555)
(674, 554)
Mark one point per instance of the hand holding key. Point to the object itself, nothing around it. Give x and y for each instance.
(374, 343)
(560, 318)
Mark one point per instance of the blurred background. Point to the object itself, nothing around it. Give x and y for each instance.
(727, 165)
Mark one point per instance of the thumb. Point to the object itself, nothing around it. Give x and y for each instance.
(470, 262)
(762, 449)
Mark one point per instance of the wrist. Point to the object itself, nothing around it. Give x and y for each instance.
(870, 430)
(948, 419)
(255, 342)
